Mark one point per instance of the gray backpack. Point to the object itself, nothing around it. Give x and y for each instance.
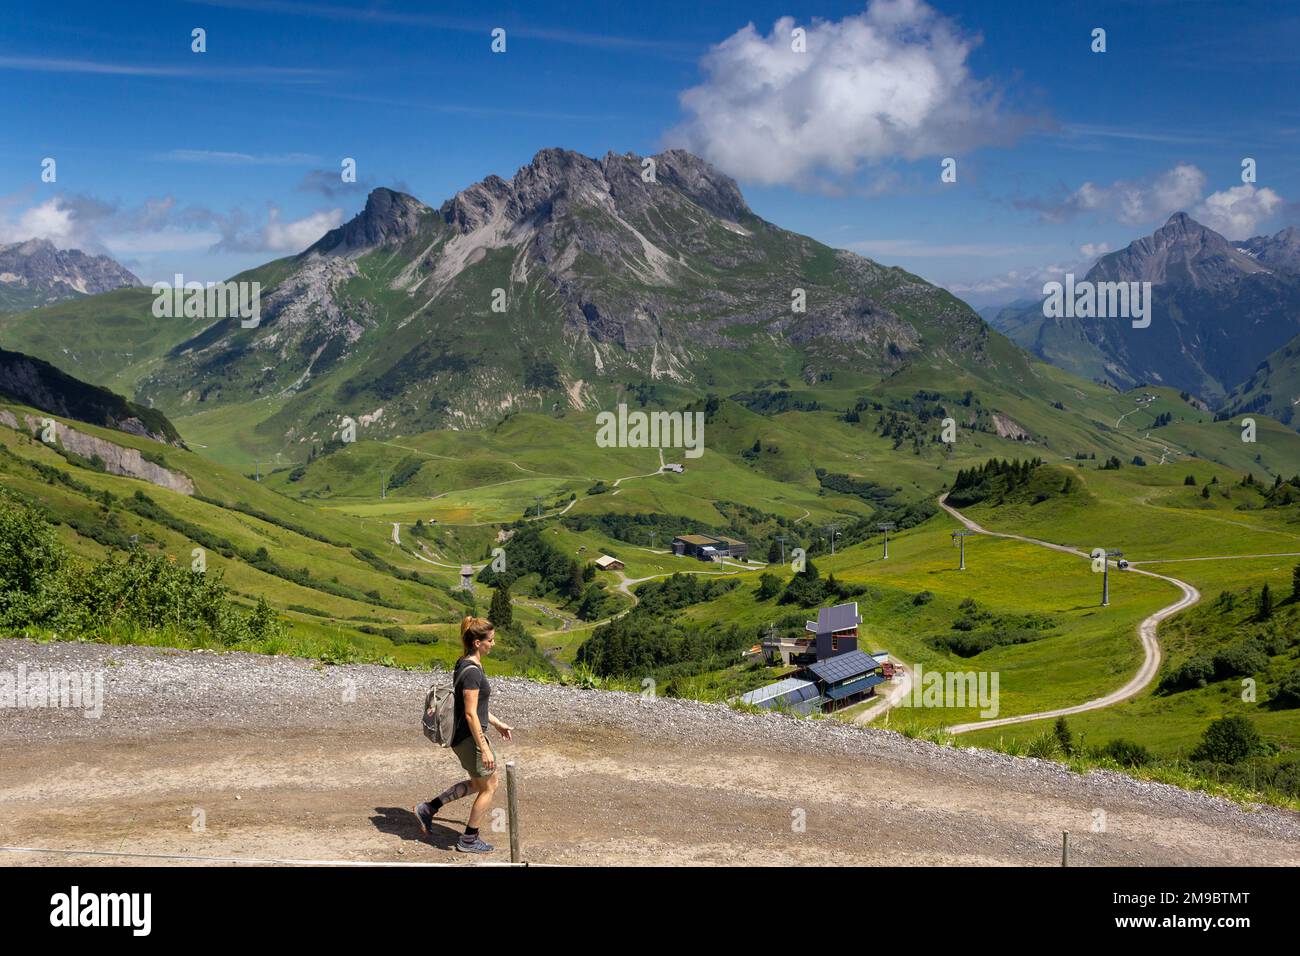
(439, 715)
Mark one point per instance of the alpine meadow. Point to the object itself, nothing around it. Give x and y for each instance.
(856, 434)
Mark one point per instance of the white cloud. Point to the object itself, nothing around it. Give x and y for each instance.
(227, 72)
(1132, 202)
(1015, 284)
(157, 225)
(1237, 212)
(891, 82)
(1027, 282)
(275, 234)
(48, 220)
(298, 234)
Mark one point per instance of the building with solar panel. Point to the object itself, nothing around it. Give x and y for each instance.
(792, 695)
(823, 687)
(835, 673)
(835, 630)
(846, 679)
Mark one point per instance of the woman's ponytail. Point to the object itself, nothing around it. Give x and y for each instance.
(474, 629)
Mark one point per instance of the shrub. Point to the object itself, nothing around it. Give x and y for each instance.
(1287, 694)
(1196, 672)
(40, 586)
(1126, 753)
(1265, 603)
(1241, 659)
(1228, 740)
(1045, 746)
(30, 558)
(500, 613)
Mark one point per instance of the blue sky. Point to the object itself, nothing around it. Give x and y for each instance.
(207, 163)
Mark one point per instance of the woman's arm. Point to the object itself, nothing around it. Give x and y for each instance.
(502, 727)
(476, 728)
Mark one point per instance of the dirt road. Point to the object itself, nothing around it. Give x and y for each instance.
(1146, 632)
(282, 759)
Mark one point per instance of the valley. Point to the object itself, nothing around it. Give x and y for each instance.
(481, 434)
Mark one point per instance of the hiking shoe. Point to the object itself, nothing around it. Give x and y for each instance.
(473, 844)
(424, 813)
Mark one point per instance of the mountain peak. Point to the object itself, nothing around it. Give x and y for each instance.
(1180, 226)
(553, 177)
(1280, 251)
(389, 218)
(30, 247)
(36, 272)
(714, 190)
(556, 175)
(1181, 252)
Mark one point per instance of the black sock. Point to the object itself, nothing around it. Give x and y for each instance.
(471, 831)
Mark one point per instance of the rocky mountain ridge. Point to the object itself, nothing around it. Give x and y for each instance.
(556, 288)
(36, 272)
(1218, 308)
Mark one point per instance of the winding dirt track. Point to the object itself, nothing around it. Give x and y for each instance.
(1146, 630)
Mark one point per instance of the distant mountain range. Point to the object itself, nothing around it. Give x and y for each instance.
(580, 281)
(562, 287)
(1218, 309)
(36, 273)
(1280, 252)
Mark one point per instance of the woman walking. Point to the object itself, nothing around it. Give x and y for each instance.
(469, 736)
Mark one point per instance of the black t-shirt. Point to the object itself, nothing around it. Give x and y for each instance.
(469, 676)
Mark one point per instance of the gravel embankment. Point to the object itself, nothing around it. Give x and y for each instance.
(153, 692)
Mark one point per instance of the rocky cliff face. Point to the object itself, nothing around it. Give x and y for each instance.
(35, 273)
(117, 459)
(390, 218)
(38, 384)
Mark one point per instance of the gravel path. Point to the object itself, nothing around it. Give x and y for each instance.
(287, 759)
(1146, 632)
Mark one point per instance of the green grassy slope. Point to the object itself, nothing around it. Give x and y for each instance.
(1170, 528)
(232, 518)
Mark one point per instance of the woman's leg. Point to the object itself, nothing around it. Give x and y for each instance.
(454, 792)
(486, 787)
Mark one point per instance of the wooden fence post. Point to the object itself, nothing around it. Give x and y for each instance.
(512, 801)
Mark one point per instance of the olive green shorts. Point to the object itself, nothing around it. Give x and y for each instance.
(471, 758)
